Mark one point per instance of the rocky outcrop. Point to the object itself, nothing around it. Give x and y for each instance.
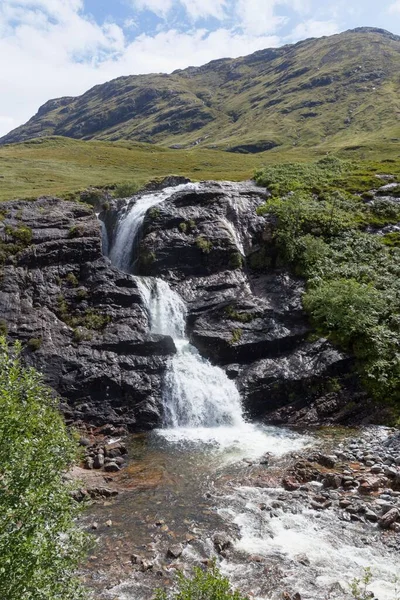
(85, 327)
(82, 322)
(246, 314)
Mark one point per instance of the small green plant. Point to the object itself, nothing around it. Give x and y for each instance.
(72, 279)
(74, 232)
(22, 234)
(106, 206)
(35, 343)
(236, 336)
(235, 260)
(203, 585)
(3, 328)
(242, 317)
(81, 294)
(125, 190)
(359, 587)
(154, 212)
(80, 334)
(183, 227)
(204, 245)
(192, 224)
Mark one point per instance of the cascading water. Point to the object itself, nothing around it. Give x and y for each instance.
(198, 397)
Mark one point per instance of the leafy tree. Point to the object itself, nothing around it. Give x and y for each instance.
(40, 546)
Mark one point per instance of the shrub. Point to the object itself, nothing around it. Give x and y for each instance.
(204, 245)
(3, 328)
(22, 234)
(183, 227)
(40, 546)
(126, 189)
(72, 279)
(203, 585)
(235, 260)
(236, 336)
(154, 212)
(35, 343)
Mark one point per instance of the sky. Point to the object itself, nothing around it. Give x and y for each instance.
(53, 48)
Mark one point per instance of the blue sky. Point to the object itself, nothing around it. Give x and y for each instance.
(52, 48)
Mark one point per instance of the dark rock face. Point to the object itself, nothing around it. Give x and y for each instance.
(85, 327)
(250, 322)
(83, 321)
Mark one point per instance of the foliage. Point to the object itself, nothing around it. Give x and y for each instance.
(126, 189)
(90, 319)
(204, 245)
(22, 235)
(359, 587)
(236, 336)
(203, 585)
(243, 317)
(235, 260)
(353, 291)
(35, 343)
(40, 547)
(72, 279)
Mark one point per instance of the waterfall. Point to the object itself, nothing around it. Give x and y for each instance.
(196, 394)
(130, 223)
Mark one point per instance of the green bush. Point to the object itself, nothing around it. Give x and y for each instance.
(40, 546)
(126, 189)
(72, 279)
(35, 343)
(204, 245)
(203, 585)
(353, 277)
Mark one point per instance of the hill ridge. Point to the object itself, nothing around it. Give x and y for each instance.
(341, 88)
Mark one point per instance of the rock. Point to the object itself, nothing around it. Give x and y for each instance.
(221, 542)
(109, 523)
(390, 472)
(89, 463)
(95, 525)
(370, 515)
(84, 441)
(327, 461)
(111, 467)
(175, 551)
(389, 518)
(332, 480)
(376, 469)
(370, 484)
(98, 462)
(290, 484)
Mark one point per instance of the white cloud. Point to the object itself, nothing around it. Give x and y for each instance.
(311, 28)
(197, 9)
(394, 8)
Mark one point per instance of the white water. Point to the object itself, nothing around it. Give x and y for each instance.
(201, 404)
(129, 225)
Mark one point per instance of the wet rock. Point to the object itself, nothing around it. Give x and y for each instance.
(327, 461)
(84, 441)
(222, 542)
(175, 551)
(389, 518)
(290, 484)
(98, 462)
(89, 463)
(370, 515)
(111, 467)
(96, 350)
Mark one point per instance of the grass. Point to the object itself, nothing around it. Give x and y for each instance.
(61, 166)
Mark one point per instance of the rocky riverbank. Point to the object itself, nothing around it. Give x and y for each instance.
(302, 523)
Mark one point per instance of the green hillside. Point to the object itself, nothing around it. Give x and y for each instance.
(339, 91)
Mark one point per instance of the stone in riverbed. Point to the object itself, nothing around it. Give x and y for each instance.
(175, 551)
(389, 518)
(98, 462)
(222, 542)
(111, 467)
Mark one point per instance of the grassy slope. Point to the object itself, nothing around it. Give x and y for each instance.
(338, 91)
(59, 165)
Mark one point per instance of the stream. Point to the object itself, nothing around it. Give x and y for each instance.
(208, 484)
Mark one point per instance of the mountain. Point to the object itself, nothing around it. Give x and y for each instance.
(341, 90)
